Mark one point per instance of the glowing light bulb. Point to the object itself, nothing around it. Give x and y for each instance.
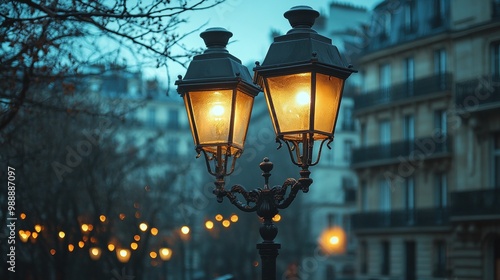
(302, 98)
(217, 110)
(334, 240)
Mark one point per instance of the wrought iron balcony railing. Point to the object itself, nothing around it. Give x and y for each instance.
(480, 94)
(404, 92)
(476, 203)
(429, 217)
(426, 148)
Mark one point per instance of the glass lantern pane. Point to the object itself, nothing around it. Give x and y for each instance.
(212, 115)
(191, 124)
(244, 104)
(328, 91)
(291, 98)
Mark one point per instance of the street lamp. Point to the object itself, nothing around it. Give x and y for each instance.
(302, 77)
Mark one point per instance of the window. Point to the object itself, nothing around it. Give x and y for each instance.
(496, 160)
(363, 257)
(440, 122)
(409, 128)
(439, 13)
(410, 260)
(441, 191)
(349, 190)
(385, 195)
(495, 59)
(385, 80)
(347, 120)
(440, 68)
(410, 74)
(364, 136)
(364, 196)
(173, 118)
(385, 260)
(409, 11)
(384, 132)
(439, 258)
(152, 116)
(348, 150)
(440, 61)
(410, 199)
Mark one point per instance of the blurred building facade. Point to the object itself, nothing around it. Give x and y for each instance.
(428, 161)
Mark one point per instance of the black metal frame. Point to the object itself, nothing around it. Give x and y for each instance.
(266, 202)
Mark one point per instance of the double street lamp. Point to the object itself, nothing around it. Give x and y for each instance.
(302, 77)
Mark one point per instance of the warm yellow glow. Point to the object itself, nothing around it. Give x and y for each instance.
(95, 253)
(122, 216)
(154, 231)
(85, 238)
(111, 247)
(165, 254)
(52, 252)
(123, 255)
(23, 235)
(81, 244)
(219, 217)
(34, 235)
(153, 255)
(22, 216)
(226, 223)
(185, 230)
(302, 98)
(333, 241)
(93, 239)
(217, 110)
(62, 234)
(234, 218)
(209, 224)
(102, 218)
(71, 247)
(85, 227)
(91, 227)
(134, 246)
(137, 237)
(143, 226)
(277, 218)
(38, 228)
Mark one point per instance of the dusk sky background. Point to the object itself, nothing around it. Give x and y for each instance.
(251, 23)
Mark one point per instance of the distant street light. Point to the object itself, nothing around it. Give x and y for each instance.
(95, 253)
(302, 77)
(123, 255)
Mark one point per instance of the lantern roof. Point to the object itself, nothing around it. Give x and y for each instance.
(302, 46)
(216, 65)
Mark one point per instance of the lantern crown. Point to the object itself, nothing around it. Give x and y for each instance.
(301, 47)
(215, 64)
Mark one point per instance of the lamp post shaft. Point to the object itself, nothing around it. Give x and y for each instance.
(268, 254)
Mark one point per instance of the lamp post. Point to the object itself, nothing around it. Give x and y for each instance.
(302, 77)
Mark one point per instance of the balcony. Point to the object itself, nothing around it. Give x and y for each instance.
(404, 92)
(430, 217)
(479, 204)
(407, 150)
(477, 95)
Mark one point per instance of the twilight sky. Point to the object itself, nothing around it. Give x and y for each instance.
(251, 23)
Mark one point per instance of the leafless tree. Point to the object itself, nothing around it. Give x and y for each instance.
(45, 41)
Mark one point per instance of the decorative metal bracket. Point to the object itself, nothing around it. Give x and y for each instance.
(266, 202)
